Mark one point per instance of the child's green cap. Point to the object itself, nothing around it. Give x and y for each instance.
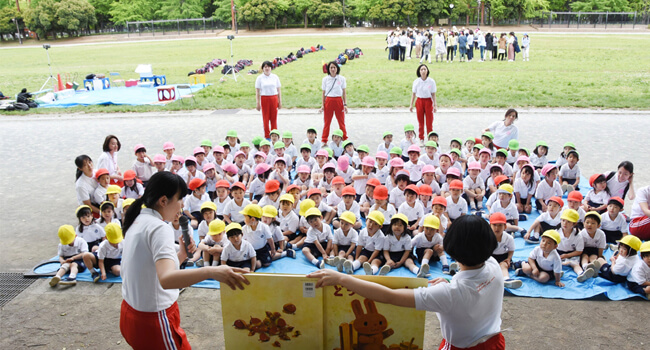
(457, 139)
(305, 146)
(231, 133)
(312, 129)
(256, 140)
(479, 146)
(503, 151)
(265, 143)
(470, 139)
(206, 143)
(338, 132)
(277, 145)
(488, 135)
(346, 143)
(329, 151)
(275, 131)
(363, 148)
(386, 133)
(244, 144)
(431, 144)
(569, 144)
(541, 143)
(409, 127)
(432, 133)
(396, 150)
(525, 150)
(287, 135)
(457, 151)
(513, 144)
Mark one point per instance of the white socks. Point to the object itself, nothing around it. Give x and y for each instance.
(443, 260)
(315, 262)
(283, 254)
(375, 269)
(425, 261)
(415, 269)
(356, 264)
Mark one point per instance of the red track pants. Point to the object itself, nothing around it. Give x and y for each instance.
(333, 105)
(497, 342)
(153, 330)
(640, 227)
(424, 110)
(269, 114)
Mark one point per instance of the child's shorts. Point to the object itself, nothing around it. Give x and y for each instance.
(94, 244)
(312, 248)
(522, 201)
(396, 256)
(196, 215)
(575, 259)
(367, 253)
(545, 226)
(109, 263)
(257, 197)
(635, 287)
(241, 264)
(263, 255)
(419, 255)
(295, 235)
(590, 251)
(81, 267)
(511, 221)
(343, 248)
(606, 273)
(220, 217)
(500, 257)
(550, 273)
(610, 236)
(572, 182)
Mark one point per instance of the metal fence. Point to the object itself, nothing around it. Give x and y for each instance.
(174, 26)
(593, 20)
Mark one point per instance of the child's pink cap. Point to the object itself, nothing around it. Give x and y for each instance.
(303, 169)
(413, 148)
(178, 159)
(261, 154)
(403, 172)
(191, 158)
(198, 150)
(240, 153)
(343, 162)
(328, 165)
(474, 166)
(168, 145)
(322, 152)
(428, 169)
(218, 149)
(495, 165)
(453, 171)
(485, 150)
(159, 158)
(523, 158)
(445, 155)
(547, 168)
(262, 168)
(137, 147)
(368, 161)
(382, 155)
(230, 167)
(396, 163)
(209, 166)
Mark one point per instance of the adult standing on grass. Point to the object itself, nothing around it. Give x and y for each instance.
(334, 100)
(149, 317)
(505, 130)
(424, 89)
(640, 225)
(108, 159)
(269, 98)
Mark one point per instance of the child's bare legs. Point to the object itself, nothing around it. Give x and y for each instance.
(504, 269)
(337, 224)
(310, 257)
(89, 261)
(357, 225)
(574, 265)
(197, 255)
(116, 270)
(216, 258)
(329, 217)
(194, 223)
(298, 241)
(411, 266)
(541, 276)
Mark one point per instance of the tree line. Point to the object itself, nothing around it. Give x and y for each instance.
(79, 17)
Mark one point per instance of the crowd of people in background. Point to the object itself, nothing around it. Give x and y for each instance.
(445, 45)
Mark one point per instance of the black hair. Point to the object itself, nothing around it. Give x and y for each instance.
(107, 140)
(627, 165)
(630, 251)
(227, 145)
(528, 170)
(133, 188)
(595, 217)
(267, 63)
(536, 148)
(330, 169)
(83, 212)
(602, 178)
(470, 240)
(402, 177)
(143, 149)
(574, 153)
(265, 175)
(614, 201)
(105, 204)
(452, 176)
(644, 254)
(410, 190)
(160, 184)
(390, 227)
(189, 160)
(233, 232)
(80, 161)
(512, 110)
(417, 72)
(338, 69)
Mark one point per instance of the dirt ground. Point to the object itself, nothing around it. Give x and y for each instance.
(38, 196)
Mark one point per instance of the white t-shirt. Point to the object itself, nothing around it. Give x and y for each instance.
(210, 241)
(148, 240)
(268, 84)
(340, 238)
(624, 265)
(143, 170)
(640, 273)
(333, 199)
(642, 196)
(290, 222)
(538, 161)
(424, 88)
(91, 232)
(510, 211)
(376, 242)
(503, 134)
(415, 170)
(354, 208)
(233, 210)
(455, 210)
(569, 173)
(469, 307)
(618, 224)
(553, 221)
(314, 235)
(505, 245)
(346, 175)
(267, 201)
(276, 234)
(79, 246)
(107, 162)
(601, 197)
(544, 191)
(127, 192)
(421, 241)
(245, 252)
(85, 187)
(392, 244)
(523, 189)
(259, 237)
(470, 184)
(396, 197)
(573, 243)
(550, 263)
(192, 203)
(388, 212)
(221, 206)
(107, 251)
(598, 241)
(99, 195)
(415, 212)
(333, 87)
(615, 187)
(203, 228)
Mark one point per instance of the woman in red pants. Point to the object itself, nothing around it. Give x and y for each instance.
(269, 99)
(640, 225)
(424, 88)
(334, 100)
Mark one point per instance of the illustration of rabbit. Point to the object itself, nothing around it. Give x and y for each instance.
(371, 327)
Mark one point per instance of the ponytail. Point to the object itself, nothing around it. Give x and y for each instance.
(160, 184)
(80, 161)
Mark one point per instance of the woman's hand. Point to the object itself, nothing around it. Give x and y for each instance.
(320, 110)
(435, 108)
(232, 276)
(279, 104)
(411, 109)
(438, 280)
(258, 107)
(345, 109)
(326, 277)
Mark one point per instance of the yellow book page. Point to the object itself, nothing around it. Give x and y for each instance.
(274, 312)
(355, 323)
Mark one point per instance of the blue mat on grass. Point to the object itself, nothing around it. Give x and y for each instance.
(572, 290)
(133, 96)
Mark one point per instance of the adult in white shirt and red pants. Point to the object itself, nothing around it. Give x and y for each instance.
(334, 100)
(424, 88)
(505, 130)
(640, 225)
(269, 99)
(149, 317)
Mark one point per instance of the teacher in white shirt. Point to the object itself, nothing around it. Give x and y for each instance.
(334, 100)
(505, 130)
(424, 89)
(269, 98)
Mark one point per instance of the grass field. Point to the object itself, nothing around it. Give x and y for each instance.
(603, 71)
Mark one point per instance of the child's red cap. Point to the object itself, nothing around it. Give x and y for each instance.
(196, 183)
(440, 200)
(338, 180)
(426, 190)
(373, 182)
(222, 184)
(238, 185)
(100, 172)
(349, 191)
(617, 200)
(498, 218)
(499, 179)
(557, 200)
(575, 196)
(313, 191)
(380, 192)
(129, 175)
(456, 185)
(292, 187)
(413, 188)
(271, 186)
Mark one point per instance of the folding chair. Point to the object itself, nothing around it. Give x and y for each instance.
(116, 81)
(185, 86)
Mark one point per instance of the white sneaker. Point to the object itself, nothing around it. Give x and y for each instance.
(339, 261)
(453, 268)
(586, 274)
(384, 270)
(330, 261)
(322, 264)
(565, 188)
(347, 267)
(367, 268)
(512, 283)
(594, 266)
(472, 205)
(54, 281)
(424, 271)
(613, 247)
(570, 188)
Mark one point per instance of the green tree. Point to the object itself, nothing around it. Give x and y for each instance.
(601, 6)
(301, 7)
(75, 16)
(259, 11)
(102, 11)
(41, 18)
(180, 9)
(7, 26)
(133, 10)
(222, 10)
(322, 12)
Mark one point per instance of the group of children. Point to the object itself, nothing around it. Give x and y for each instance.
(259, 202)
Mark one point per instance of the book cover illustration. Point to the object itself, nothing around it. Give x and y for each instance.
(275, 311)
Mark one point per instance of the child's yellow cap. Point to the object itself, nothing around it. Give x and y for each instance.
(66, 234)
(552, 234)
(432, 221)
(216, 227)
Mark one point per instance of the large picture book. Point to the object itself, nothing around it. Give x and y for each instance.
(288, 312)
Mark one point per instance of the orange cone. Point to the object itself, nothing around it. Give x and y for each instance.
(60, 83)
